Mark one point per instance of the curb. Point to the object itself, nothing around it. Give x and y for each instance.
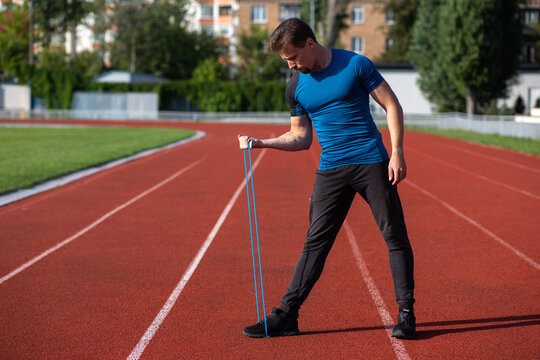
(66, 179)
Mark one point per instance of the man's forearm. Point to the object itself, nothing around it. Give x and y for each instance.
(394, 118)
(288, 142)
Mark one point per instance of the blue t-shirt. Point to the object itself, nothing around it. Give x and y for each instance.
(336, 99)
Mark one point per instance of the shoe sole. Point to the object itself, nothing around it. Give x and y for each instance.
(287, 333)
(401, 335)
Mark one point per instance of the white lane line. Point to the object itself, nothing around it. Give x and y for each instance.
(475, 224)
(150, 332)
(97, 222)
(397, 345)
(493, 158)
(485, 178)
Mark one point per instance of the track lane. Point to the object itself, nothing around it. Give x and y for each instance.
(470, 289)
(509, 215)
(99, 304)
(75, 206)
(129, 273)
(219, 300)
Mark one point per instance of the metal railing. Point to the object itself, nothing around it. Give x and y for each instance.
(502, 125)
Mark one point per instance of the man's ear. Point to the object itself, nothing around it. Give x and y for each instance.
(310, 42)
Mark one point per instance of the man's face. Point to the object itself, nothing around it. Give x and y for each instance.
(301, 59)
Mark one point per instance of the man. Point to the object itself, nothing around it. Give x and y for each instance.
(330, 91)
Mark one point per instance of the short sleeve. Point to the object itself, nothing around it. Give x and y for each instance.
(370, 77)
(290, 96)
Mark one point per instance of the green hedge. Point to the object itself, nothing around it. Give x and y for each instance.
(222, 96)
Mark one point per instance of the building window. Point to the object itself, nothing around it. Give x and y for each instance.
(207, 29)
(528, 53)
(98, 37)
(225, 10)
(289, 11)
(390, 18)
(207, 11)
(357, 45)
(531, 17)
(388, 43)
(258, 14)
(357, 15)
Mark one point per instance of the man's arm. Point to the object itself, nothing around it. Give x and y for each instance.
(299, 137)
(383, 94)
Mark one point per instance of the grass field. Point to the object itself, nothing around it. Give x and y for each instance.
(523, 145)
(30, 155)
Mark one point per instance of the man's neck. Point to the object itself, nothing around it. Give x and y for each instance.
(324, 57)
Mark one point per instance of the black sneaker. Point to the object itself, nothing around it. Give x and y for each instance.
(278, 323)
(406, 325)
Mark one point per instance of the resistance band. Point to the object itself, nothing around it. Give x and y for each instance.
(257, 235)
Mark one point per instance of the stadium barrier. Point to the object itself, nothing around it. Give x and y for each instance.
(501, 125)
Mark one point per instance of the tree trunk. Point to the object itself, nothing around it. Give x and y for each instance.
(471, 102)
(330, 31)
(132, 67)
(73, 31)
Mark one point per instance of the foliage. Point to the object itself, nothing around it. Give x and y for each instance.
(151, 38)
(404, 12)
(480, 44)
(59, 16)
(255, 61)
(57, 76)
(424, 54)
(13, 40)
(210, 70)
(519, 106)
(466, 52)
(228, 96)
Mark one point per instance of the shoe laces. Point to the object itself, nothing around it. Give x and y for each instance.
(404, 317)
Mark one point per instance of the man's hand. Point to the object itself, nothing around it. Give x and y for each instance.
(245, 142)
(397, 169)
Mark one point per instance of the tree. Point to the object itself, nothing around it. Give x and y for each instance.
(404, 13)
(13, 40)
(210, 70)
(519, 106)
(151, 37)
(59, 16)
(480, 44)
(425, 55)
(329, 19)
(256, 62)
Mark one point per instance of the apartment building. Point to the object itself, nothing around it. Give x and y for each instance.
(366, 34)
(531, 18)
(366, 20)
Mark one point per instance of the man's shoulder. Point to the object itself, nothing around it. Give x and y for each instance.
(352, 59)
(292, 83)
(349, 54)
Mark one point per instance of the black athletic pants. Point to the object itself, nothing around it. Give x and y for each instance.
(333, 193)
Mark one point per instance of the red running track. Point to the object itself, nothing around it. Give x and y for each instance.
(134, 231)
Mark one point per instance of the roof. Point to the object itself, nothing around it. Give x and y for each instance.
(119, 76)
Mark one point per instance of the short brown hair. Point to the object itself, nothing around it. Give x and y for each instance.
(291, 31)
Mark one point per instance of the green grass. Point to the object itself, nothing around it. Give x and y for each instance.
(523, 145)
(30, 155)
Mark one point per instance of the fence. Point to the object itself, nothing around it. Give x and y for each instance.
(502, 125)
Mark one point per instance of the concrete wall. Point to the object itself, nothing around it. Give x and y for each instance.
(15, 97)
(91, 105)
(527, 86)
(404, 84)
